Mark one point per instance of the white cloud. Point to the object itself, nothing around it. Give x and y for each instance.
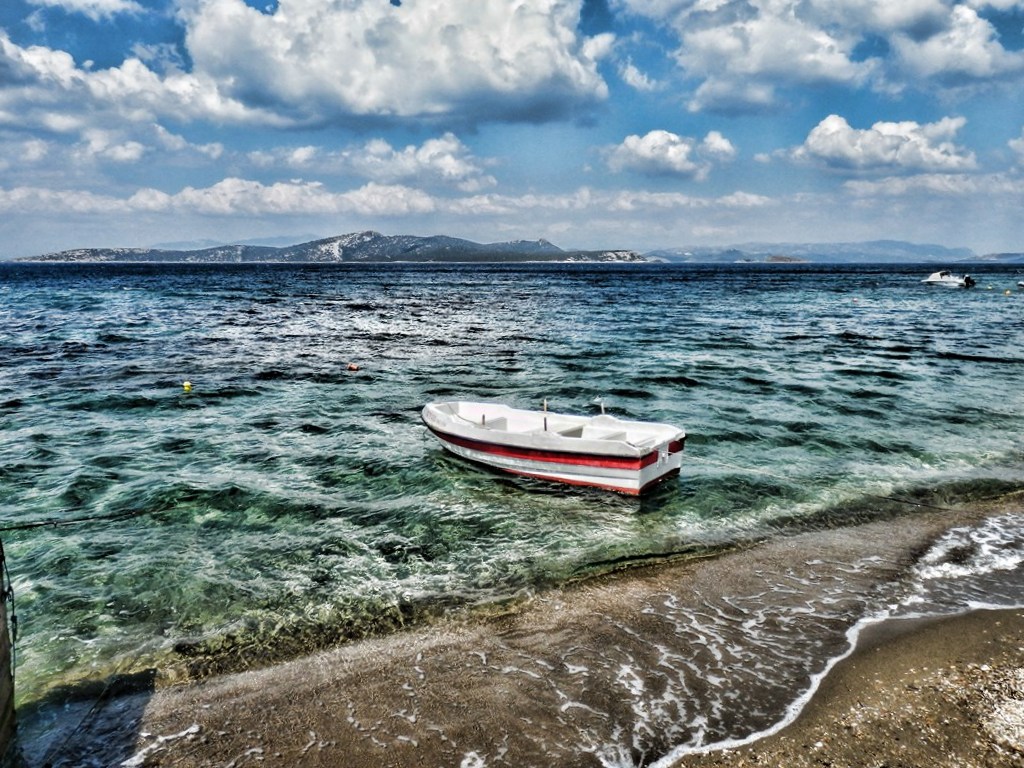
(233, 197)
(159, 56)
(150, 201)
(296, 158)
(634, 78)
(93, 9)
(745, 200)
(58, 201)
(79, 149)
(44, 88)
(229, 197)
(967, 49)
(32, 150)
(25, 66)
(27, 153)
(591, 202)
(1017, 145)
(739, 52)
(665, 153)
(318, 60)
(178, 144)
(780, 46)
(745, 55)
(388, 200)
(729, 95)
(105, 145)
(717, 146)
(443, 161)
(992, 187)
(643, 201)
(999, 5)
(901, 147)
(303, 155)
(919, 17)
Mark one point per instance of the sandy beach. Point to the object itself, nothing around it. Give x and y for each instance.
(946, 692)
(526, 686)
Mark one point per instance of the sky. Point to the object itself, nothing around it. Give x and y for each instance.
(636, 124)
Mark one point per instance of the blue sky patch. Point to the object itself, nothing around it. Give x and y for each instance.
(589, 123)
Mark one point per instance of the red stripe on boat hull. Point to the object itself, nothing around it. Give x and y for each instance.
(588, 483)
(555, 457)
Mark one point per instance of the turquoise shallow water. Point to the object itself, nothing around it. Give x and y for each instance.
(287, 502)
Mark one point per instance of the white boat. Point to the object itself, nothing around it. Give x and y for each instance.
(598, 451)
(948, 279)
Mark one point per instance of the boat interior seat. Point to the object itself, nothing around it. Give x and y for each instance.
(606, 435)
(590, 433)
(499, 423)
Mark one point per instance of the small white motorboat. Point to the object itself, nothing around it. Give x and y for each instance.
(598, 451)
(948, 279)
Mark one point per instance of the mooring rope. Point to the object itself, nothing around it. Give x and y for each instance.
(57, 522)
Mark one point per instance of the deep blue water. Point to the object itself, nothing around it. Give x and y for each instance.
(287, 502)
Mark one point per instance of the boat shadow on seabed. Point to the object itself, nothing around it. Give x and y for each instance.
(92, 723)
(66, 726)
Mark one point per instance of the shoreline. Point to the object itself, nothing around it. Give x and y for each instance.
(529, 687)
(942, 691)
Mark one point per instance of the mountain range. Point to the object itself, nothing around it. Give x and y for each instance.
(358, 247)
(873, 251)
(374, 247)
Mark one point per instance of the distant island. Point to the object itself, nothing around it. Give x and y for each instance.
(373, 247)
(355, 248)
(869, 252)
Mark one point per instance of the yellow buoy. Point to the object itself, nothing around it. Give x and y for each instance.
(187, 386)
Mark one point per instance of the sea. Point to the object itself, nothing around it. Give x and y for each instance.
(289, 498)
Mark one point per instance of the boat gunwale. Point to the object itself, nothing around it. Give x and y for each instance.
(448, 422)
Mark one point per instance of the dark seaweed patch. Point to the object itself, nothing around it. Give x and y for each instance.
(979, 358)
(114, 338)
(852, 337)
(670, 381)
(878, 373)
(756, 381)
(272, 375)
(637, 394)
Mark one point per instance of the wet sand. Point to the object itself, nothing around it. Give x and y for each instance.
(547, 683)
(946, 692)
